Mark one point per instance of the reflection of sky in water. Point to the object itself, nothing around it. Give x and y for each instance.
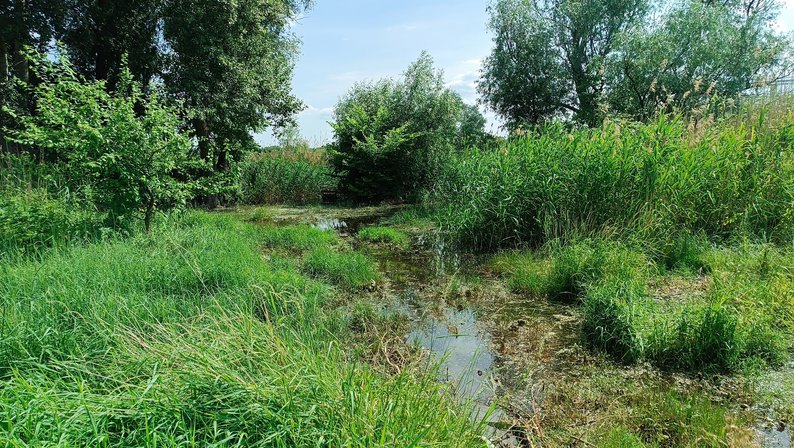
(772, 438)
(466, 359)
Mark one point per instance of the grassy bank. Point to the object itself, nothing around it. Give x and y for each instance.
(194, 337)
(718, 309)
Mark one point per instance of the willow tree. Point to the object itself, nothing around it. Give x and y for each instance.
(231, 62)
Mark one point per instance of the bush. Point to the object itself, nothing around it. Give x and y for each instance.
(117, 150)
(392, 137)
(625, 179)
(297, 177)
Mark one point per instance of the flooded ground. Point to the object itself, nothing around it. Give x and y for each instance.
(510, 355)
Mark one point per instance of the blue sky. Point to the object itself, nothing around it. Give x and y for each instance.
(346, 41)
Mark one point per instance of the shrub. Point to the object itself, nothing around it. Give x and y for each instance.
(392, 137)
(624, 179)
(118, 150)
(296, 176)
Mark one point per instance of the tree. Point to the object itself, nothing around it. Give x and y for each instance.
(701, 50)
(548, 57)
(119, 150)
(99, 33)
(573, 58)
(232, 63)
(391, 137)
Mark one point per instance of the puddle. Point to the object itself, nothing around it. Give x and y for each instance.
(776, 437)
(495, 349)
(463, 349)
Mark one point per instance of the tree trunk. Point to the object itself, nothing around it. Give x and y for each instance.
(20, 62)
(3, 62)
(203, 136)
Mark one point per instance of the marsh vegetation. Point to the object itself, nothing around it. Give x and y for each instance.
(614, 269)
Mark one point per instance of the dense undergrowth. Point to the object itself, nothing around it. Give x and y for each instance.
(191, 337)
(728, 179)
(285, 176)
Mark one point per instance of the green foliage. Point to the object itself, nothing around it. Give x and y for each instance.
(32, 219)
(393, 136)
(189, 338)
(548, 57)
(236, 73)
(285, 177)
(646, 180)
(118, 150)
(578, 58)
(299, 237)
(621, 317)
(348, 269)
(385, 235)
(702, 50)
(668, 419)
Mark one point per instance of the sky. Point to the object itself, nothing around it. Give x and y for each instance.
(348, 41)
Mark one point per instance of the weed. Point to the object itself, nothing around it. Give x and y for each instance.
(386, 235)
(348, 269)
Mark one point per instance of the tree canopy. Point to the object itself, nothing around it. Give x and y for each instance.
(576, 58)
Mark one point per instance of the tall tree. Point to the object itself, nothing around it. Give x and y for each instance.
(702, 49)
(574, 58)
(99, 33)
(231, 61)
(549, 56)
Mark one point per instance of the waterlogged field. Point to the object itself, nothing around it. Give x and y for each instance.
(360, 327)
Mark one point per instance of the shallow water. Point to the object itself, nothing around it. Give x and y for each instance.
(495, 349)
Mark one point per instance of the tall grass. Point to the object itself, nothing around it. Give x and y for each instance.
(296, 176)
(191, 337)
(649, 180)
(720, 330)
(36, 211)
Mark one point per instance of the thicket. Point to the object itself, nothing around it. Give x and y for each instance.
(285, 176)
(393, 136)
(119, 153)
(728, 179)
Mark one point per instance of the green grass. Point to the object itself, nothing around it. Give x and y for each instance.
(296, 177)
(626, 180)
(347, 269)
(192, 338)
(384, 235)
(297, 237)
(744, 316)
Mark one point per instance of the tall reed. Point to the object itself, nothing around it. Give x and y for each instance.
(649, 180)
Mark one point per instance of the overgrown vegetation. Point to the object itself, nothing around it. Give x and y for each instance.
(625, 179)
(630, 314)
(392, 137)
(285, 176)
(189, 337)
